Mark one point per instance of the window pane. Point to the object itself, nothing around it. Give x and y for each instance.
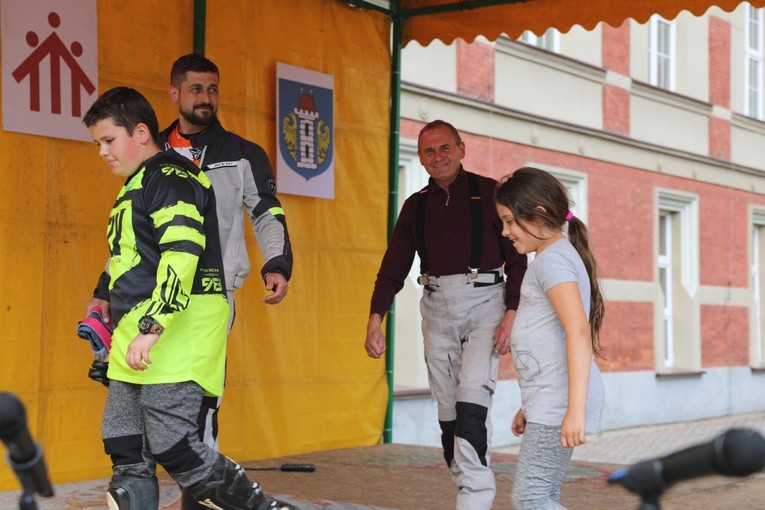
(754, 28)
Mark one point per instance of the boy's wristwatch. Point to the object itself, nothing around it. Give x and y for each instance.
(148, 325)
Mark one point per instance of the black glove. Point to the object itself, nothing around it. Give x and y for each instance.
(98, 370)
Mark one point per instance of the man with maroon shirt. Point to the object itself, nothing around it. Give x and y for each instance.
(467, 307)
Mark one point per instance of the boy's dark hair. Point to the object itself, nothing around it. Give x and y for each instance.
(193, 62)
(126, 107)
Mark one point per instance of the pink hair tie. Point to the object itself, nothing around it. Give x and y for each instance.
(569, 215)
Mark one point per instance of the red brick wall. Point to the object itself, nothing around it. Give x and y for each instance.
(719, 86)
(724, 235)
(616, 110)
(615, 52)
(724, 336)
(627, 337)
(719, 138)
(475, 70)
(719, 62)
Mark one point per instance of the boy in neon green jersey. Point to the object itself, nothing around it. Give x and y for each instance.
(169, 312)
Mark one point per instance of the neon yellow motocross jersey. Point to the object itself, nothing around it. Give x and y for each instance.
(166, 263)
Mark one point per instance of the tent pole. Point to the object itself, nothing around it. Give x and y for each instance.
(395, 109)
(200, 11)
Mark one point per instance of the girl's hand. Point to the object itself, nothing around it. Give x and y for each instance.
(572, 431)
(519, 423)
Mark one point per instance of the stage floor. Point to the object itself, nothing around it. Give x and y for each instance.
(406, 477)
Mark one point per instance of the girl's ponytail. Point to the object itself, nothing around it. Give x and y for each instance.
(579, 237)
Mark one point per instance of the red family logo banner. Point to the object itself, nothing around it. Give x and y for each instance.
(50, 66)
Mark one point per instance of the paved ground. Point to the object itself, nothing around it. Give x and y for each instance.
(375, 468)
(628, 446)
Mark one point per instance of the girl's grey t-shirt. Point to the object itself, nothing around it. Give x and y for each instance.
(539, 341)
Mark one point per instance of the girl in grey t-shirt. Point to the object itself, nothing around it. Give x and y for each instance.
(554, 336)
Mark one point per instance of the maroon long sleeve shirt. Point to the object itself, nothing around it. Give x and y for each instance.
(448, 228)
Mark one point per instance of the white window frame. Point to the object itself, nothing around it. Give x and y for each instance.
(410, 372)
(681, 307)
(664, 262)
(660, 51)
(756, 269)
(753, 62)
(415, 177)
(575, 183)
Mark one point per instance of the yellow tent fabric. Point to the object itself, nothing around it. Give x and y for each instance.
(513, 17)
(298, 377)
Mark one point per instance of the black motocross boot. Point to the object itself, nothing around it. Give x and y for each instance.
(229, 488)
(132, 493)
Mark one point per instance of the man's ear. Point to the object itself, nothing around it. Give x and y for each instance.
(173, 93)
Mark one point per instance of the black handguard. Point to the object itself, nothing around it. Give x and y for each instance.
(98, 371)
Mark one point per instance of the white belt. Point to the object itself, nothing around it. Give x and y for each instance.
(480, 277)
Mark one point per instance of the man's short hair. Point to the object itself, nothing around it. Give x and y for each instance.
(125, 107)
(441, 123)
(193, 62)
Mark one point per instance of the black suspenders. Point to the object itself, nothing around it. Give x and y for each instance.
(476, 216)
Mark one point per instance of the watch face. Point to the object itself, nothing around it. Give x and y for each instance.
(144, 324)
(148, 325)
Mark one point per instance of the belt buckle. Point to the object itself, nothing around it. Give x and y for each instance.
(473, 273)
(423, 279)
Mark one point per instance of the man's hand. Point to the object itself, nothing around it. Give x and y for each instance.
(99, 303)
(277, 284)
(375, 344)
(502, 335)
(137, 356)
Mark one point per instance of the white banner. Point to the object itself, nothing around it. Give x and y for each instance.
(50, 66)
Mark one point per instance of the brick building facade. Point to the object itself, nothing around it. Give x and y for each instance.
(657, 130)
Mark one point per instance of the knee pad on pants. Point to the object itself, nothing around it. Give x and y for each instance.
(124, 450)
(471, 426)
(447, 440)
(132, 493)
(179, 458)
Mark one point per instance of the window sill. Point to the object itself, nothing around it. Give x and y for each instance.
(408, 392)
(678, 373)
